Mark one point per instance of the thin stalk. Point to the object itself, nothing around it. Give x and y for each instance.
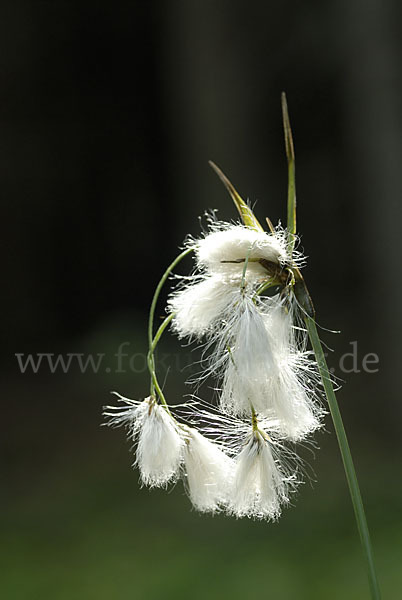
(160, 331)
(158, 291)
(151, 361)
(155, 384)
(290, 155)
(346, 458)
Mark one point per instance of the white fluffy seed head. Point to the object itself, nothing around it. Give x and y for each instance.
(281, 398)
(160, 443)
(209, 473)
(259, 488)
(160, 447)
(222, 340)
(261, 367)
(249, 363)
(226, 244)
(292, 389)
(290, 403)
(198, 306)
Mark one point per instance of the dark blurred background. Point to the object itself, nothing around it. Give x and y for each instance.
(109, 112)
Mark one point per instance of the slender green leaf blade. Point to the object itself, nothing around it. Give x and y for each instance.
(290, 155)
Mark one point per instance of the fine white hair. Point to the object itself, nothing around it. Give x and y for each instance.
(260, 487)
(261, 368)
(208, 472)
(160, 442)
(226, 247)
(198, 306)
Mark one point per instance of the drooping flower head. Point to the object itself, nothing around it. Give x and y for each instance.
(220, 256)
(260, 488)
(208, 473)
(241, 303)
(159, 441)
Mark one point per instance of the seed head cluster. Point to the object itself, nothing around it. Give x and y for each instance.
(236, 455)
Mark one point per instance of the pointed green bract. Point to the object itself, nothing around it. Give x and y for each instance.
(246, 214)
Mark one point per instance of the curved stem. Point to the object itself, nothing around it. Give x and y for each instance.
(151, 361)
(160, 331)
(346, 458)
(155, 383)
(158, 290)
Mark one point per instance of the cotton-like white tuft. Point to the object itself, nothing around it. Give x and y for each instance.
(160, 443)
(250, 362)
(131, 415)
(290, 403)
(261, 368)
(292, 389)
(199, 305)
(260, 488)
(226, 244)
(159, 450)
(243, 356)
(209, 472)
(238, 314)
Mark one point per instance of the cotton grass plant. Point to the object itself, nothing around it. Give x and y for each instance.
(248, 305)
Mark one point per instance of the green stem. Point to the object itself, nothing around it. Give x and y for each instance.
(291, 206)
(160, 331)
(158, 291)
(155, 383)
(290, 155)
(346, 458)
(151, 361)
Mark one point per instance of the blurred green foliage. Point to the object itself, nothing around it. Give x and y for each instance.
(92, 534)
(77, 525)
